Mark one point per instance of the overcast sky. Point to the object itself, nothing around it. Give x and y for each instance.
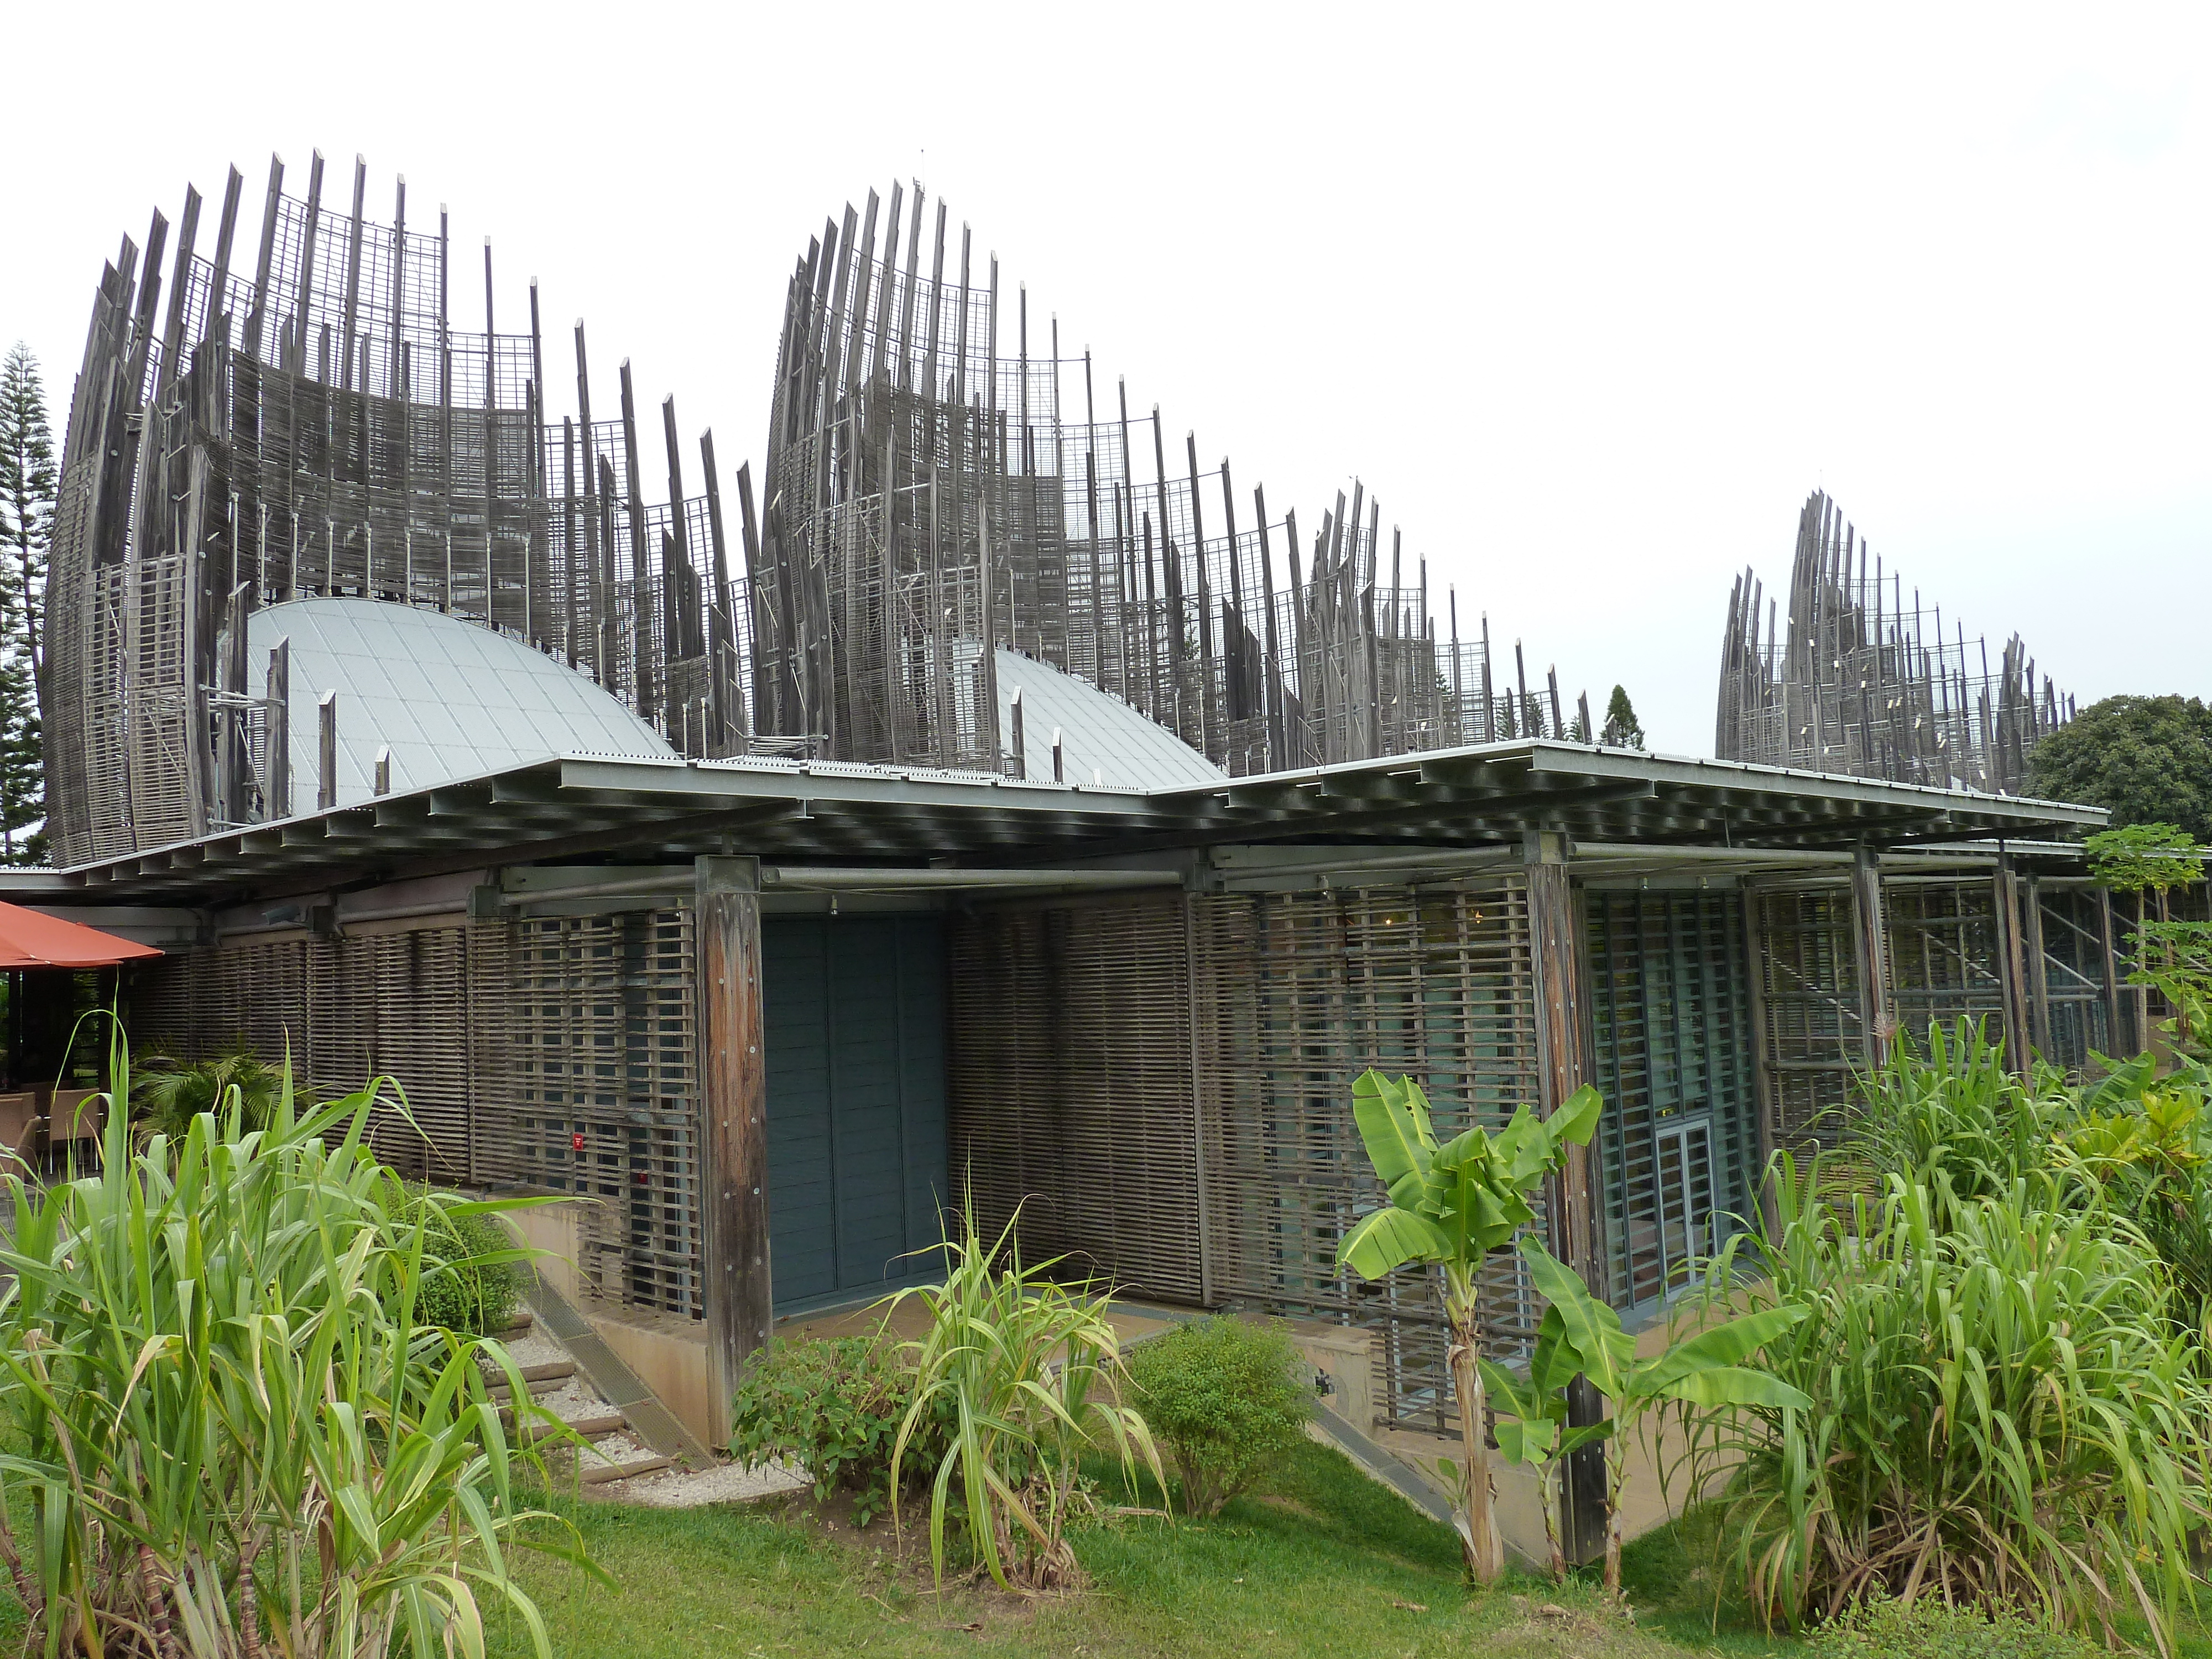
(1590, 298)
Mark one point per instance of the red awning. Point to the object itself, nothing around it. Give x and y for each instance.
(28, 939)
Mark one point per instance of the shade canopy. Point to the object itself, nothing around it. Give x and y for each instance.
(28, 939)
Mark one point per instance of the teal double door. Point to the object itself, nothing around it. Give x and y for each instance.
(856, 1145)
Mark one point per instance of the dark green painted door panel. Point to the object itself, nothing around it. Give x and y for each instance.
(855, 1100)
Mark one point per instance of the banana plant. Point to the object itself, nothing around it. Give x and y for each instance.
(1705, 1369)
(1532, 1423)
(1450, 1207)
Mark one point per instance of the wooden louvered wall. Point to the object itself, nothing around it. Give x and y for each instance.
(400, 1004)
(1164, 1085)
(510, 1040)
(1673, 1056)
(1808, 982)
(1070, 1085)
(601, 1024)
(1943, 952)
(1298, 994)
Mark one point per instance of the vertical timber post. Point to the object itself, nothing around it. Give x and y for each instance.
(1555, 943)
(327, 753)
(733, 1123)
(1870, 942)
(2109, 972)
(2011, 967)
(2038, 969)
(1765, 1094)
(278, 787)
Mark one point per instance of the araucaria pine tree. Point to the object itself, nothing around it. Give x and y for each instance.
(1622, 729)
(28, 484)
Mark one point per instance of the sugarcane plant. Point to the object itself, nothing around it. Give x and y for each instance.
(1450, 1207)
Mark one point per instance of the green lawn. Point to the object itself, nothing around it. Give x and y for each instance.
(1325, 1562)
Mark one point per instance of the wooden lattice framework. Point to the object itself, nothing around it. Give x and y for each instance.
(1857, 680)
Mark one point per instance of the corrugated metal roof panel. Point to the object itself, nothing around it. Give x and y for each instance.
(1099, 733)
(451, 699)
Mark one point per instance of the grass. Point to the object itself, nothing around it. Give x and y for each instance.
(1321, 1561)
(1313, 1563)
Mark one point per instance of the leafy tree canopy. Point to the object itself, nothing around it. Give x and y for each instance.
(2138, 858)
(2148, 759)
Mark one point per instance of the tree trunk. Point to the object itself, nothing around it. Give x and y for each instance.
(1485, 1559)
(1612, 1528)
(1552, 1469)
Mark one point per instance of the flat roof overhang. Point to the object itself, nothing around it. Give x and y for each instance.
(830, 812)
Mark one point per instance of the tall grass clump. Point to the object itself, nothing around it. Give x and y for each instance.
(2010, 1406)
(1022, 1377)
(230, 1433)
(1955, 1108)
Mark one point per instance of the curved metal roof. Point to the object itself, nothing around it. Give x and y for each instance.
(1103, 739)
(451, 699)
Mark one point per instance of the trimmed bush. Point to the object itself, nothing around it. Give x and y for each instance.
(1923, 1628)
(1225, 1398)
(832, 1405)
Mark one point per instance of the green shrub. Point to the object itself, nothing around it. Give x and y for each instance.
(168, 1093)
(1027, 1375)
(832, 1406)
(471, 1270)
(227, 1436)
(1958, 1108)
(2004, 1416)
(1923, 1628)
(1225, 1399)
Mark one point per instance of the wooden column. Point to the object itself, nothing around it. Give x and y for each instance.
(2109, 971)
(733, 1124)
(1557, 960)
(1765, 1093)
(2038, 969)
(2011, 965)
(1870, 941)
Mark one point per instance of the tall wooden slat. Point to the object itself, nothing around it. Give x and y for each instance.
(1070, 1080)
(738, 1298)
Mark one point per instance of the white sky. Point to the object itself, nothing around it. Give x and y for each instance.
(1590, 297)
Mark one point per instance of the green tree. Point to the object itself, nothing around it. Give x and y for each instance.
(1449, 1206)
(28, 486)
(23, 767)
(2147, 759)
(2154, 858)
(1622, 729)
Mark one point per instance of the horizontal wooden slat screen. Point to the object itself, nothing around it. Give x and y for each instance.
(1298, 994)
(1071, 1086)
(2075, 977)
(1671, 1009)
(421, 1030)
(1943, 961)
(510, 1040)
(1810, 980)
(599, 1028)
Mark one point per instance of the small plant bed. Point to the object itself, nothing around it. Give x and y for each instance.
(1314, 1558)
